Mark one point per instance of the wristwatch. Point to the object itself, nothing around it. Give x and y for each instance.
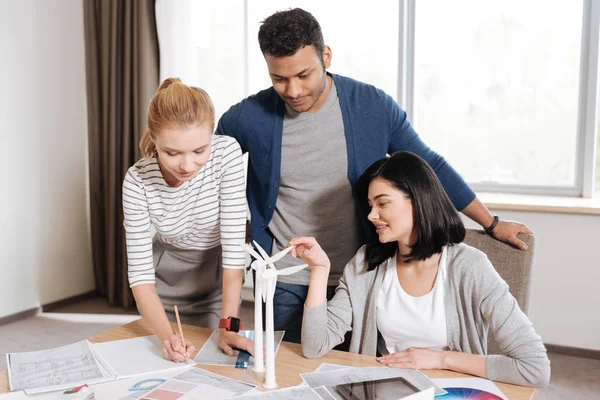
(490, 228)
(232, 324)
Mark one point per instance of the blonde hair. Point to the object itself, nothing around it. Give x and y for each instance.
(178, 104)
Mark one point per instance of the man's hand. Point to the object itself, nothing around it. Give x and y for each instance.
(231, 340)
(506, 231)
(414, 358)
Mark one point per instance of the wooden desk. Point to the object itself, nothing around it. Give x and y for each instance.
(289, 362)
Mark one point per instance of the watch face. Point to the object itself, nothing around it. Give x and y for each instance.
(235, 324)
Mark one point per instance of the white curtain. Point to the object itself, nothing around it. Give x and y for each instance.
(203, 43)
(177, 51)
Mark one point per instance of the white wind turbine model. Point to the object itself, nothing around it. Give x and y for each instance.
(264, 289)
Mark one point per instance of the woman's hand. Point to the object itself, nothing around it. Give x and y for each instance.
(231, 340)
(173, 350)
(414, 358)
(310, 252)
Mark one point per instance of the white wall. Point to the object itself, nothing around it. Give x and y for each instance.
(45, 251)
(565, 293)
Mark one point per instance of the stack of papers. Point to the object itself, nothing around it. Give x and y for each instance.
(296, 393)
(195, 384)
(63, 367)
(132, 357)
(86, 363)
(320, 384)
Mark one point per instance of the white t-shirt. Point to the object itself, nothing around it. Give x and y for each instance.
(200, 214)
(405, 321)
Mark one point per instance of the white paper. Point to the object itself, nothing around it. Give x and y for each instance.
(198, 384)
(360, 374)
(133, 388)
(427, 394)
(85, 393)
(20, 395)
(324, 367)
(56, 369)
(472, 383)
(323, 393)
(210, 354)
(198, 375)
(132, 357)
(296, 393)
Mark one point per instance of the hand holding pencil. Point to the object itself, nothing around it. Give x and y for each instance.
(180, 332)
(176, 348)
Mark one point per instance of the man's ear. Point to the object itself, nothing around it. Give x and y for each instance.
(327, 54)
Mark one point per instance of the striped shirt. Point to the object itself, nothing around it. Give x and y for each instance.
(200, 214)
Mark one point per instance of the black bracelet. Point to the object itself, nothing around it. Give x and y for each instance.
(490, 228)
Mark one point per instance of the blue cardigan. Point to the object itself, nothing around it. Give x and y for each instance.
(374, 125)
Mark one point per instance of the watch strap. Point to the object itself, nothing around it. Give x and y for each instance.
(231, 324)
(490, 228)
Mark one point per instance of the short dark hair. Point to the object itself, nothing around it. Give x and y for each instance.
(435, 218)
(286, 32)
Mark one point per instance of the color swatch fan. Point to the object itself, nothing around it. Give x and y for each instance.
(467, 393)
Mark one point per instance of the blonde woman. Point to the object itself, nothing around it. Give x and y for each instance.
(184, 211)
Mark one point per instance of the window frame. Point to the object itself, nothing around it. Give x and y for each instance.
(586, 134)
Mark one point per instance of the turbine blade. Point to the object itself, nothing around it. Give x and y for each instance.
(281, 254)
(261, 250)
(250, 250)
(264, 254)
(292, 270)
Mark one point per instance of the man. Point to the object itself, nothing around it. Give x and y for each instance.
(310, 137)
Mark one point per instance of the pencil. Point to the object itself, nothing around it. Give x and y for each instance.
(181, 332)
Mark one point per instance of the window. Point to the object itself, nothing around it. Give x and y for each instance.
(214, 44)
(203, 43)
(363, 39)
(505, 90)
(497, 93)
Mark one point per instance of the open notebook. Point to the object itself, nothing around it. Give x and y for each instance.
(86, 363)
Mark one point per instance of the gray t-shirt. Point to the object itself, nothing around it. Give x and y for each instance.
(315, 195)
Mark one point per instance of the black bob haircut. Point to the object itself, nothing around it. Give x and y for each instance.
(285, 32)
(435, 218)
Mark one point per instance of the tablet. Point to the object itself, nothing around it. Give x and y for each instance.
(380, 389)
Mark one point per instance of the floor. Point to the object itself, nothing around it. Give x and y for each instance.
(573, 378)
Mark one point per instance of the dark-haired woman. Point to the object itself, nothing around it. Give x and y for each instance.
(415, 293)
